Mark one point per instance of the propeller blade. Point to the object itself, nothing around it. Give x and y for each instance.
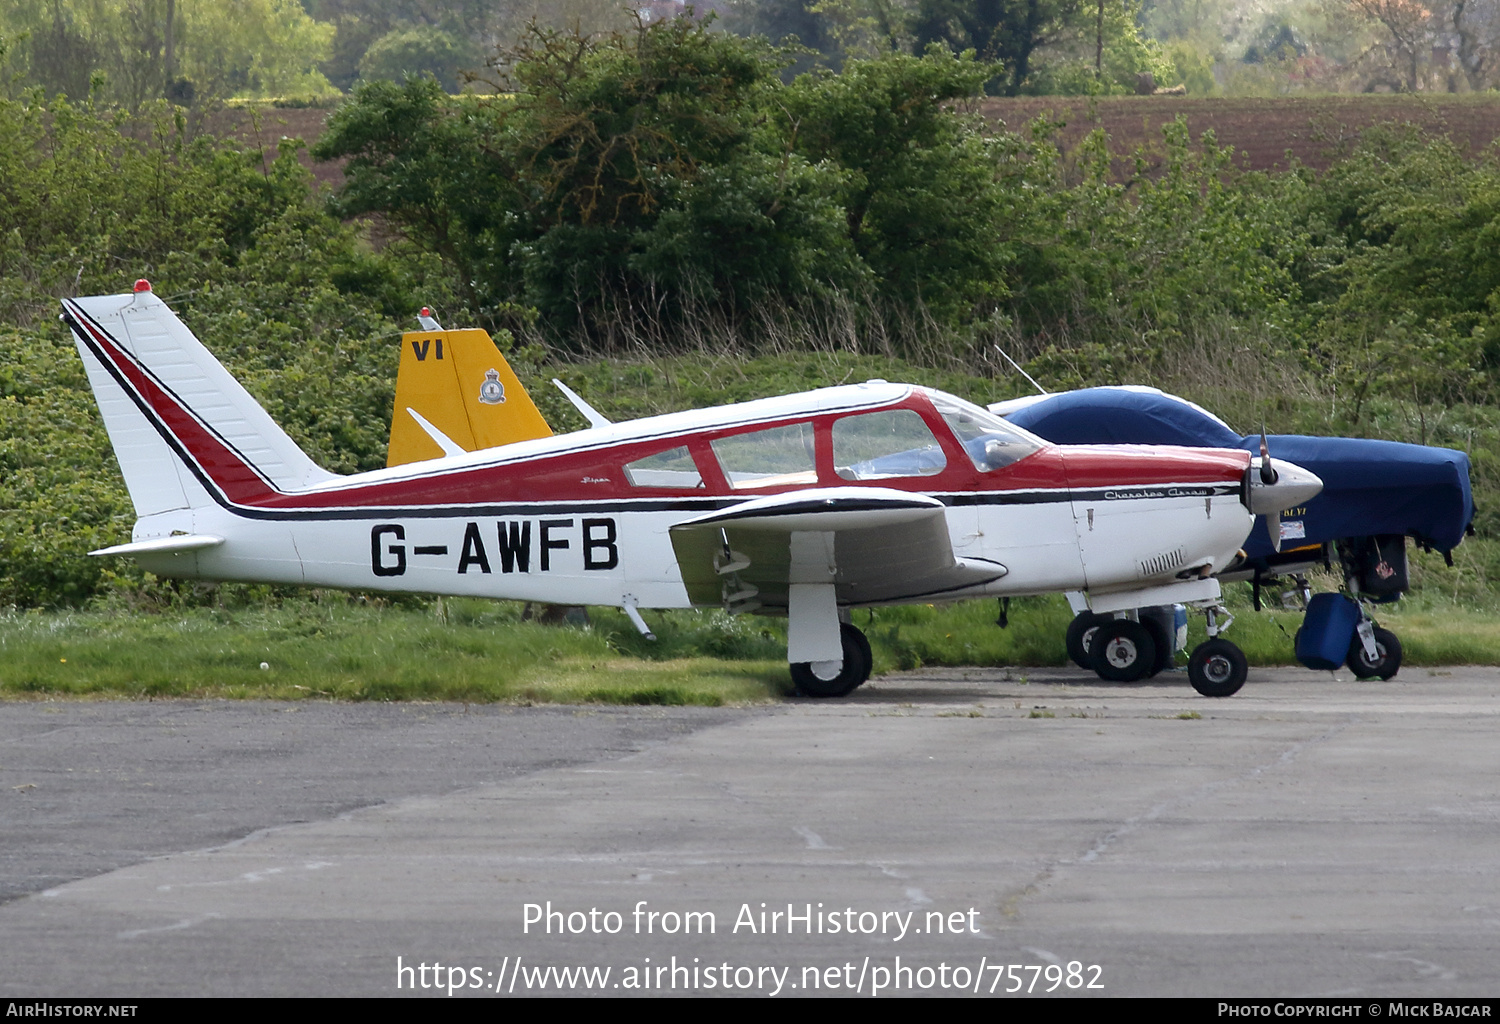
(1268, 473)
(1273, 527)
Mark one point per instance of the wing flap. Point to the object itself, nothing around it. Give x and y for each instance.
(874, 545)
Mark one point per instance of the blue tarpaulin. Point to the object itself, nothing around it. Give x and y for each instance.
(1369, 487)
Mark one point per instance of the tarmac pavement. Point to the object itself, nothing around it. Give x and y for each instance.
(939, 832)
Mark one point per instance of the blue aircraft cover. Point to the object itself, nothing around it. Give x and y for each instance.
(1123, 416)
(1369, 487)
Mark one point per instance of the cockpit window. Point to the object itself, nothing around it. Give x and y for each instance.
(776, 457)
(671, 468)
(991, 442)
(881, 445)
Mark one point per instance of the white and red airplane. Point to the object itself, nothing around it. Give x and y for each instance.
(807, 506)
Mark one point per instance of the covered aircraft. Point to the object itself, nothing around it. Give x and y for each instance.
(807, 506)
(1376, 494)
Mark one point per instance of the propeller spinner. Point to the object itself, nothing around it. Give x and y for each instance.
(1281, 485)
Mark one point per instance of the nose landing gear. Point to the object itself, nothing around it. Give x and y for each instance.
(1383, 662)
(1217, 667)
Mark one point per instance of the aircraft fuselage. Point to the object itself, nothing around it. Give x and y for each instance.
(559, 519)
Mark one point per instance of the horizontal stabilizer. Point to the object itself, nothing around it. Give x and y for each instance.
(594, 416)
(164, 545)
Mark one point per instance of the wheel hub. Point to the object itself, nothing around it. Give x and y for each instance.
(1121, 653)
(1218, 668)
(826, 670)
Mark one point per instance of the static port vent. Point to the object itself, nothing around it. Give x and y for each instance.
(1164, 562)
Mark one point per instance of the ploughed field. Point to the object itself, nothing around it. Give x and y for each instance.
(264, 127)
(1264, 132)
(1313, 130)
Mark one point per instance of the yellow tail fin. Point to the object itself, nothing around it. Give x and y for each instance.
(460, 383)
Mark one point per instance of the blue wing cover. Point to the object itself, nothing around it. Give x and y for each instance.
(1369, 487)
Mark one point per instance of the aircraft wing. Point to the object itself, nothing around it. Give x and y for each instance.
(871, 543)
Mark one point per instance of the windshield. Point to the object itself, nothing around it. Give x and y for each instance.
(990, 442)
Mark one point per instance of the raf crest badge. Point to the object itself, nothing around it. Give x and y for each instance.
(492, 392)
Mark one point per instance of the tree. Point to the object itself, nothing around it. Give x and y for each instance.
(802, 22)
(1103, 52)
(418, 156)
(477, 26)
(613, 168)
(1477, 25)
(920, 189)
(142, 50)
(670, 169)
(423, 49)
(1007, 31)
(1407, 22)
(867, 29)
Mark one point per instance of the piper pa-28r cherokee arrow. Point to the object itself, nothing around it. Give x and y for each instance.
(807, 505)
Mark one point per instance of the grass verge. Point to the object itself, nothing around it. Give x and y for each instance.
(482, 651)
(347, 652)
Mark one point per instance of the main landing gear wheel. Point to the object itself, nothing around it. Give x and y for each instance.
(857, 664)
(1387, 656)
(1122, 651)
(1081, 634)
(1217, 668)
(1163, 659)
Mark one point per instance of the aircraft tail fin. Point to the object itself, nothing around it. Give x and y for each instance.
(454, 390)
(184, 431)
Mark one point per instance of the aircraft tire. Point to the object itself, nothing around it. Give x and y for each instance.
(1387, 662)
(867, 656)
(1123, 651)
(1081, 634)
(1217, 668)
(858, 661)
(1163, 659)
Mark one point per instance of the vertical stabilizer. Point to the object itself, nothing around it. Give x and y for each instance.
(461, 385)
(179, 423)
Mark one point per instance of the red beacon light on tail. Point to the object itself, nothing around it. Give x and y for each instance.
(142, 285)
